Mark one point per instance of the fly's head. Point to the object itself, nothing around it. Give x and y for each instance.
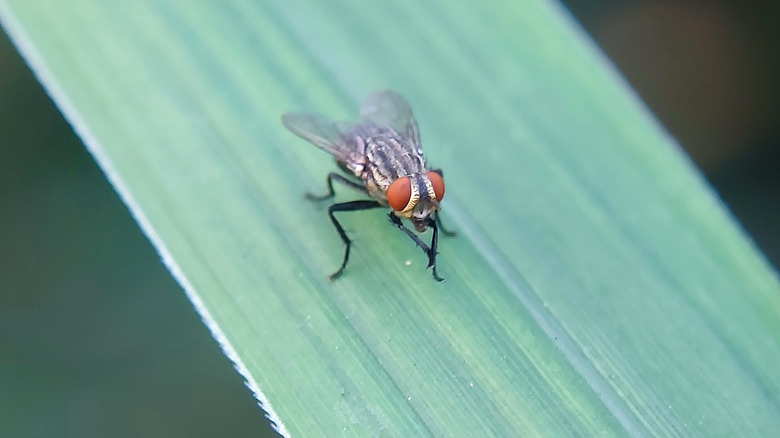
(416, 197)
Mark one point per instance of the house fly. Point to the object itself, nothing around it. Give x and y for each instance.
(381, 157)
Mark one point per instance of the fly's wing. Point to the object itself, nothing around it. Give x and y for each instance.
(319, 131)
(389, 109)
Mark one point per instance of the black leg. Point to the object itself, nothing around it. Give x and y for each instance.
(429, 251)
(395, 220)
(346, 206)
(434, 249)
(340, 178)
(446, 232)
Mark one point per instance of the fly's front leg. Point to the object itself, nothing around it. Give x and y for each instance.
(434, 249)
(346, 206)
(340, 178)
(429, 251)
(445, 231)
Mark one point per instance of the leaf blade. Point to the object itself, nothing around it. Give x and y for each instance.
(527, 304)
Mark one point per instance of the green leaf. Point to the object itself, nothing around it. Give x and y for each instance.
(597, 287)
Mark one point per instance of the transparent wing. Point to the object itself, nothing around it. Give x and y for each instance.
(319, 131)
(389, 109)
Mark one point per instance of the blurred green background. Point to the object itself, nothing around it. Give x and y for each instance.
(710, 71)
(97, 340)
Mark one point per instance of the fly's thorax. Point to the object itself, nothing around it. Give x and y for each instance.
(374, 189)
(388, 157)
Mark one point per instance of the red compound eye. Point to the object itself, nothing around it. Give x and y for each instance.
(438, 185)
(399, 193)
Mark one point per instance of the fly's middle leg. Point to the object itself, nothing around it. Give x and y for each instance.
(340, 178)
(346, 206)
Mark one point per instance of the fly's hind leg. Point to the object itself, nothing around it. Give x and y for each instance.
(340, 178)
(346, 206)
